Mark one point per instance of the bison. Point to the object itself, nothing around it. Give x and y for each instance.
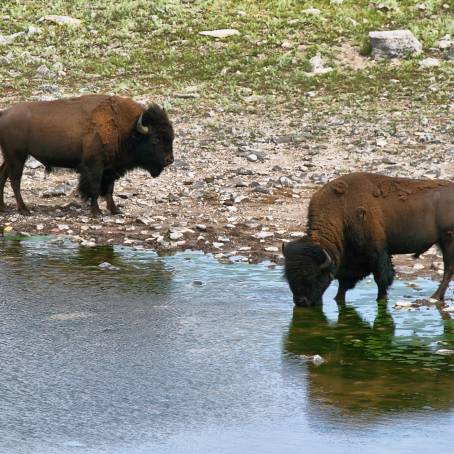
(101, 137)
(357, 222)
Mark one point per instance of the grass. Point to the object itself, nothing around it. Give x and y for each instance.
(143, 46)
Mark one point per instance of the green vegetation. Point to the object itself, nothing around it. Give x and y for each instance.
(143, 46)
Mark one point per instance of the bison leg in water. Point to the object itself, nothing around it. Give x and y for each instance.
(3, 178)
(447, 248)
(345, 284)
(383, 271)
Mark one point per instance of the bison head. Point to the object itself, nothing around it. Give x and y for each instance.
(154, 146)
(308, 270)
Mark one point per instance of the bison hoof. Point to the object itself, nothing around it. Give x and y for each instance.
(115, 211)
(24, 211)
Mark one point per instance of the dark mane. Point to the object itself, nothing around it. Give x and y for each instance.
(157, 117)
(296, 255)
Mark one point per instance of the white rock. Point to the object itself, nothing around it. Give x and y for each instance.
(218, 245)
(336, 2)
(252, 157)
(318, 360)
(272, 249)
(318, 65)
(221, 33)
(311, 11)
(175, 235)
(32, 30)
(32, 163)
(8, 39)
(262, 235)
(297, 234)
(394, 43)
(44, 71)
(61, 20)
(429, 63)
(445, 43)
(201, 227)
(88, 243)
(401, 304)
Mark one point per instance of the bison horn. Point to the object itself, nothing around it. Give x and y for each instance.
(140, 127)
(327, 262)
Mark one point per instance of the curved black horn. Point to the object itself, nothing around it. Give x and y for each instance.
(140, 127)
(327, 262)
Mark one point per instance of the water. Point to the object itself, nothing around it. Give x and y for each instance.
(147, 360)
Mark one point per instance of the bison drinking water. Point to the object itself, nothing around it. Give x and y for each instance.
(101, 137)
(355, 224)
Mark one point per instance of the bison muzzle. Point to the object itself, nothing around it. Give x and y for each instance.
(357, 222)
(101, 137)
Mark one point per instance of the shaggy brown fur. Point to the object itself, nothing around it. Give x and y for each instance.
(96, 135)
(360, 220)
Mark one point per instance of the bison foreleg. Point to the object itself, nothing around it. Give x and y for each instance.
(90, 184)
(107, 188)
(383, 271)
(345, 284)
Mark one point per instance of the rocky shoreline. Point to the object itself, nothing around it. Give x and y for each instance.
(240, 185)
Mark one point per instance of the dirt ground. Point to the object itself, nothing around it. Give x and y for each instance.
(241, 182)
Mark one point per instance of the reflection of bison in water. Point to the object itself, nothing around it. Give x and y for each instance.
(356, 222)
(368, 368)
(101, 137)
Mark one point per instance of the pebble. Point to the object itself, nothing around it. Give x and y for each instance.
(175, 236)
(88, 243)
(252, 157)
(262, 235)
(429, 63)
(201, 227)
(272, 249)
(108, 266)
(401, 304)
(297, 234)
(221, 33)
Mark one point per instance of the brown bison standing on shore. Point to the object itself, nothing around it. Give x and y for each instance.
(101, 137)
(355, 224)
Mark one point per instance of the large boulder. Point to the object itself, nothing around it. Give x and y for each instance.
(394, 43)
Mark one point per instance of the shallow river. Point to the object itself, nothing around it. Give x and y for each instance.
(185, 355)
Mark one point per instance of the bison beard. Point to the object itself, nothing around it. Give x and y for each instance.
(360, 220)
(101, 137)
